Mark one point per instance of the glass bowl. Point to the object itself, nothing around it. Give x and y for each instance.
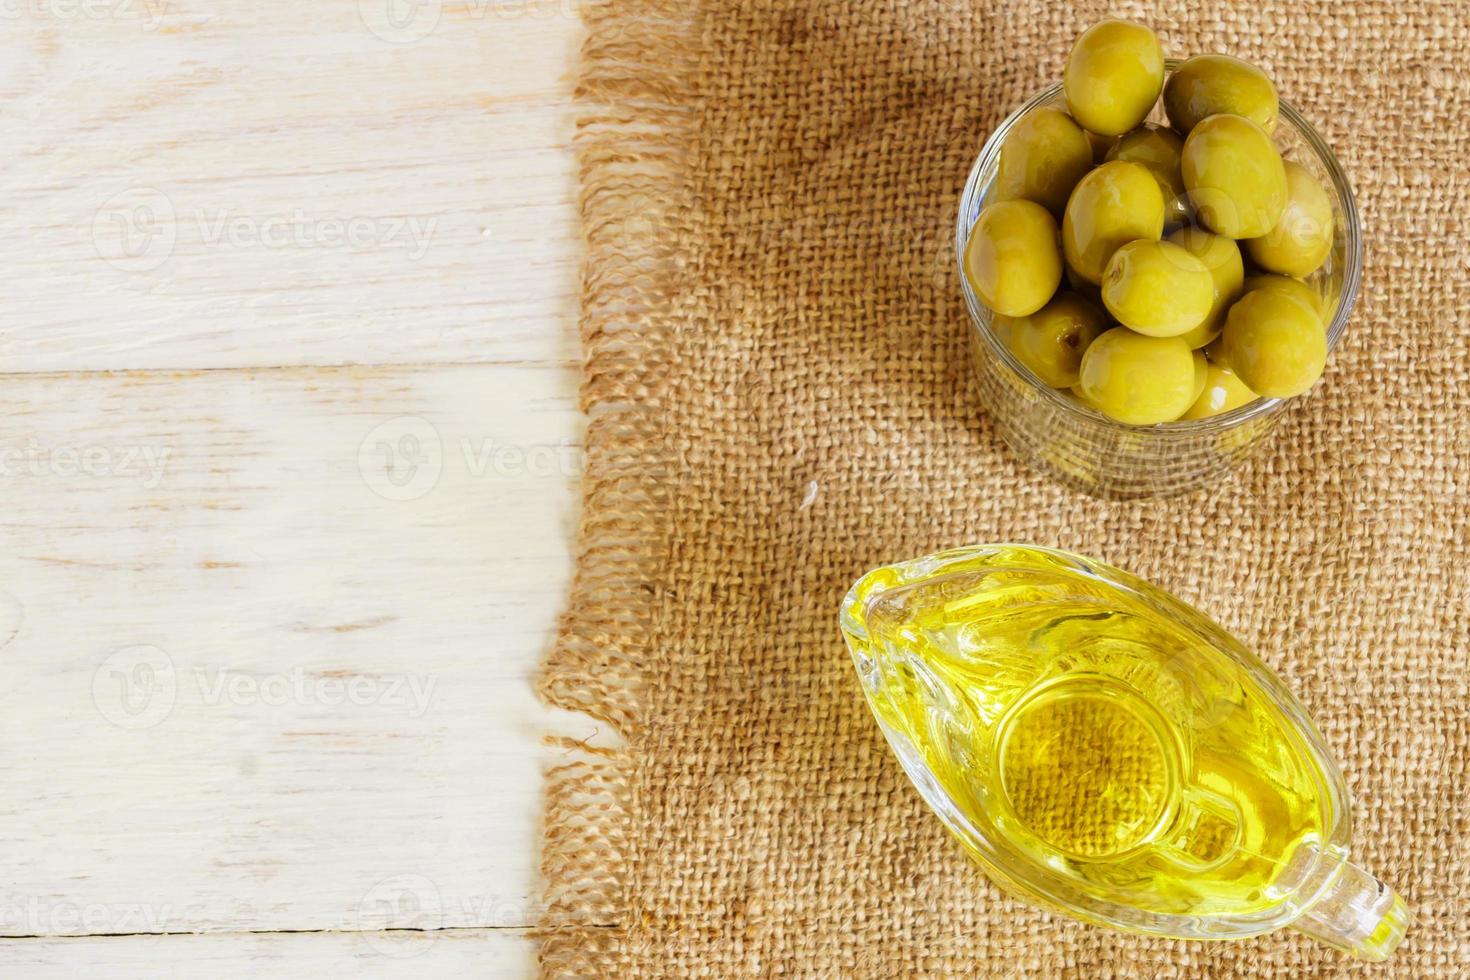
(1057, 434)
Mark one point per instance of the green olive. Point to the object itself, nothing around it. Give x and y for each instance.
(1004, 327)
(1201, 373)
(1209, 84)
(1215, 351)
(1157, 288)
(1301, 239)
(1302, 290)
(1011, 258)
(1080, 286)
(1158, 149)
(1138, 380)
(1223, 391)
(1235, 177)
(1116, 203)
(1222, 257)
(1274, 342)
(1043, 158)
(1051, 341)
(1113, 76)
(1100, 145)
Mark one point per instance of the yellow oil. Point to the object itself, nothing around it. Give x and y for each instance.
(1093, 736)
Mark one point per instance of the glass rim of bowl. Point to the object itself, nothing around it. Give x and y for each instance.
(1347, 298)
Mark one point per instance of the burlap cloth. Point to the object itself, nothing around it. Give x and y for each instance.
(780, 399)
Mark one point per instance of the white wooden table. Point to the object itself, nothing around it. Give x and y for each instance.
(290, 456)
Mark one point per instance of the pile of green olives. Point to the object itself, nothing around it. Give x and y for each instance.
(1157, 272)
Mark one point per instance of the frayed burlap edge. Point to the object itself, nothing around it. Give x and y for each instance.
(631, 139)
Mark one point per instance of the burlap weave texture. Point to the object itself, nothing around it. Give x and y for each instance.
(780, 399)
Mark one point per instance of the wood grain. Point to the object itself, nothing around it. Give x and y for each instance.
(269, 650)
(270, 599)
(197, 184)
(482, 954)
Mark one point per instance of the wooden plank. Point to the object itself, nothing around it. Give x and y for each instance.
(482, 954)
(190, 184)
(266, 641)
